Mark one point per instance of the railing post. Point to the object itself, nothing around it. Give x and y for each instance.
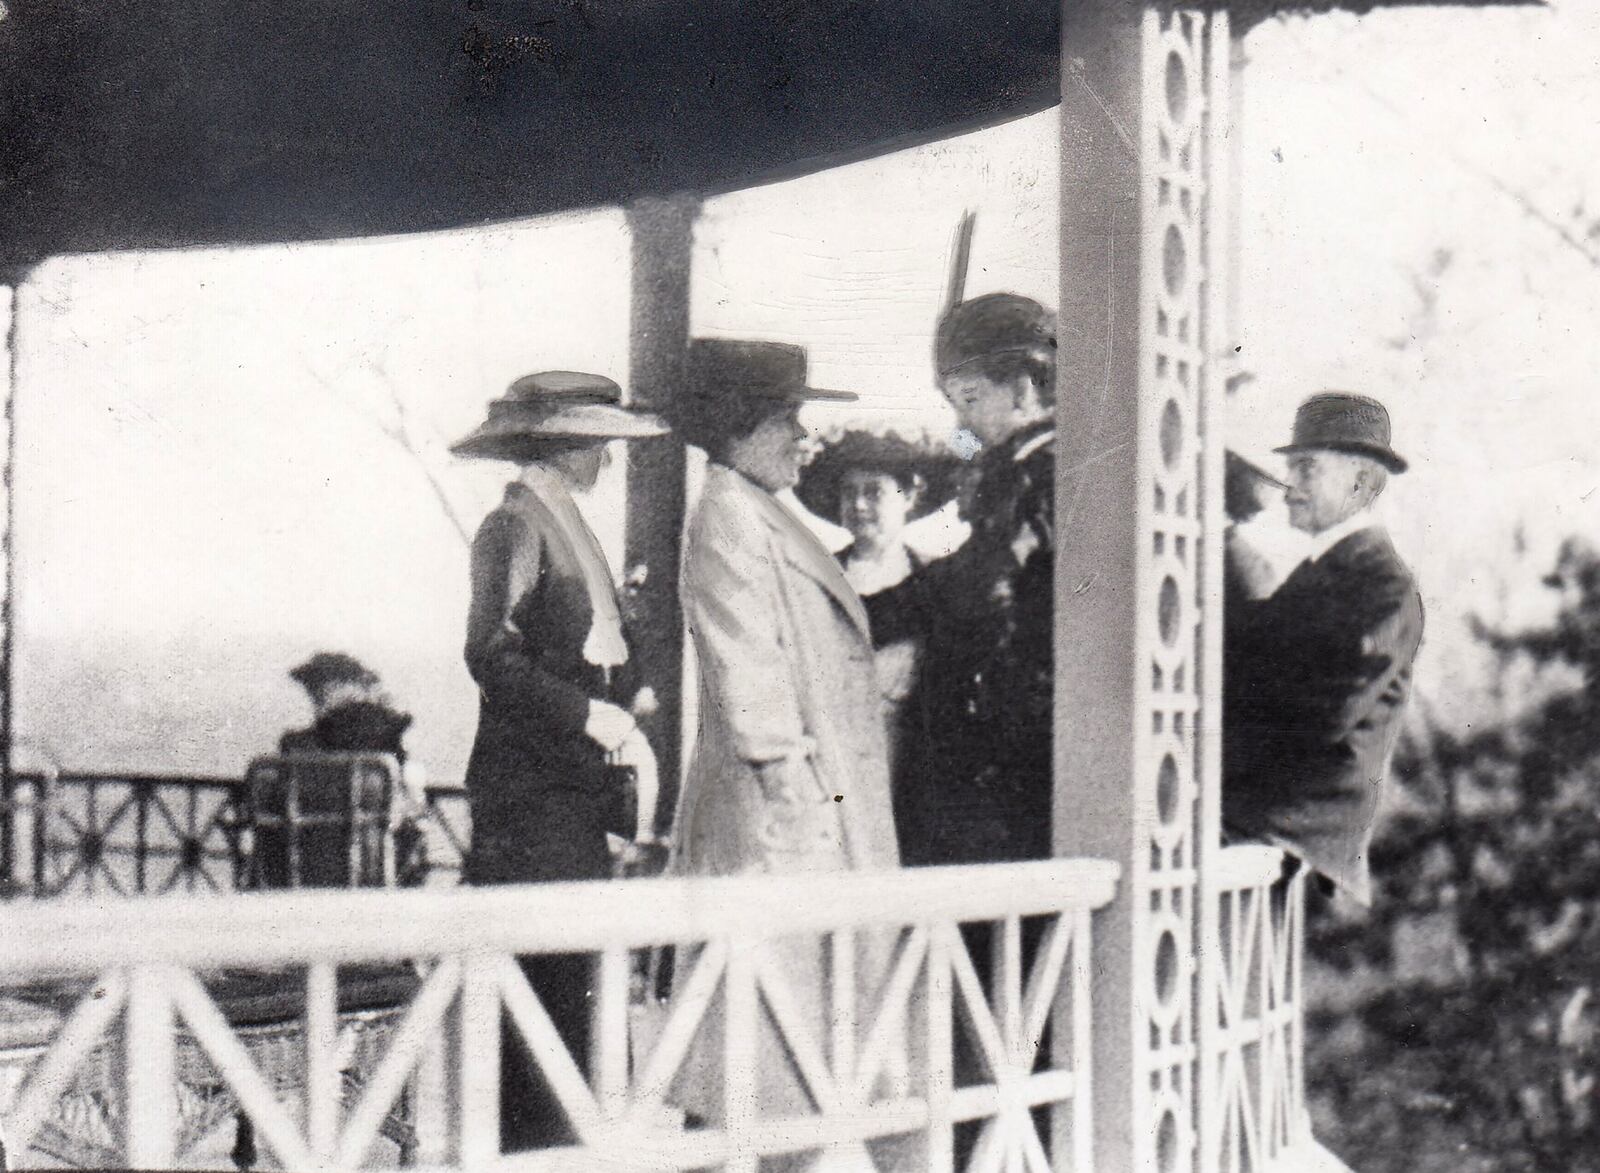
(663, 243)
(1138, 448)
(149, 1074)
(478, 1056)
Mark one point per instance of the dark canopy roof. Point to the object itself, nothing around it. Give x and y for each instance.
(137, 123)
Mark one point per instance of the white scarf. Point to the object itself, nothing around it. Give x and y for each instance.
(605, 646)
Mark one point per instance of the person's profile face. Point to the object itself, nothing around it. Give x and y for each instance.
(874, 505)
(1324, 489)
(986, 407)
(584, 464)
(773, 454)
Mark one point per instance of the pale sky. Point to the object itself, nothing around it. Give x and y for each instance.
(206, 493)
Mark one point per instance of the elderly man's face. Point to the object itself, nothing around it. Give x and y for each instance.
(1325, 487)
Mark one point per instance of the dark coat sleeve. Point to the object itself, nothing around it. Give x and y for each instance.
(1321, 692)
(504, 632)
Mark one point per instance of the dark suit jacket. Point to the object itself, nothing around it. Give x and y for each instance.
(540, 794)
(1316, 679)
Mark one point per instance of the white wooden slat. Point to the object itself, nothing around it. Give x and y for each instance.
(549, 1050)
(609, 1039)
(941, 1037)
(1082, 1044)
(842, 956)
(1008, 987)
(797, 1036)
(978, 1015)
(52, 1072)
(422, 1020)
(687, 1011)
(232, 1061)
(1044, 984)
(479, 1059)
(148, 1074)
(888, 1024)
(337, 926)
(323, 1086)
(740, 1070)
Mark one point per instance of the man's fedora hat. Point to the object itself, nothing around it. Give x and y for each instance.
(993, 325)
(1341, 422)
(751, 368)
(552, 409)
(930, 470)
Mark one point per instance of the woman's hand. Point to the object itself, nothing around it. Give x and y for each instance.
(608, 725)
(645, 705)
(788, 781)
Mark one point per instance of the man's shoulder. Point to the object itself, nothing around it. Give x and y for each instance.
(1368, 558)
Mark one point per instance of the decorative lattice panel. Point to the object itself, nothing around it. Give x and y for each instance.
(1181, 97)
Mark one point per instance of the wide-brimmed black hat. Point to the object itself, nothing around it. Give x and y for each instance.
(749, 367)
(930, 470)
(1338, 421)
(732, 384)
(327, 668)
(553, 409)
(993, 325)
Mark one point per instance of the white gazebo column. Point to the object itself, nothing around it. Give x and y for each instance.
(1144, 100)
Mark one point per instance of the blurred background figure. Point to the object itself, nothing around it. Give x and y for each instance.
(873, 485)
(556, 748)
(353, 714)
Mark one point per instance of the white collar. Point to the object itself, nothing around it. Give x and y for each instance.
(606, 645)
(1033, 445)
(547, 485)
(890, 568)
(1322, 542)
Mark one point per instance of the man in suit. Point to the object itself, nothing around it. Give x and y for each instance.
(1317, 675)
(979, 714)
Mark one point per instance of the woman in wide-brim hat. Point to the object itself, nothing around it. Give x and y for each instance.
(790, 772)
(873, 485)
(546, 645)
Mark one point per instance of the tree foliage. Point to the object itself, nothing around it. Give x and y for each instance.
(1480, 1050)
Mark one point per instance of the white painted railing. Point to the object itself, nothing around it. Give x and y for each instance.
(1252, 1029)
(150, 1010)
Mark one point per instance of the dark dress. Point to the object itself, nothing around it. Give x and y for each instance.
(974, 783)
(541, 794)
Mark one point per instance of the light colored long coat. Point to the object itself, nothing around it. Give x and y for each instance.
(786, 670)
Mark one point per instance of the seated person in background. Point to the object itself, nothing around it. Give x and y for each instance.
(1316, 676)
(873, 486)
(352, 714)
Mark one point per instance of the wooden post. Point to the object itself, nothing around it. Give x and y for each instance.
(663, 240)
(12, 278)
(1135, 765)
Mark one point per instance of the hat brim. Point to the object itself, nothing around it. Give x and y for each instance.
(1256, 471)
(507, 437)
(804, 394)
(818, 489)
(1390, 460)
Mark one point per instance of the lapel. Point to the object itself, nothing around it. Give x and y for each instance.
(803, 552)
